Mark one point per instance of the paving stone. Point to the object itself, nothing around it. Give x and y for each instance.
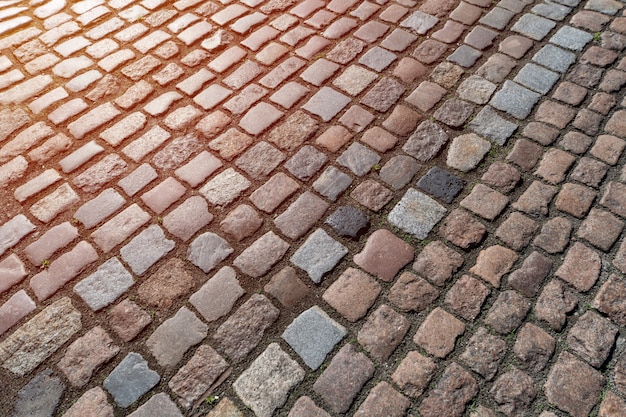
(533, 26)
(592, 338)
(497, 18)
(177, 151)
(331, 183)
(611, 404)
(45, 210)
(305, 407)
(536, 78)
(40, 396)
(265, 385)
(441, 184)
(416, 213)
(224, 283)
(244, 329)
(159, 403)
(258, 258)
(105, 285)
(465, 56)
(533, 347)
(271, 194)
(601, 229)
(92, 401)
(101, 173)
(587, 121)
(514, 391)
(613, 198)
(286, 287)
(231, 143)
(145, 249)
(529, 278)
(51, 147)
(208, 250)
(356, 118)
(572, 385)
(86, 354)
(507, 312)
(465, 297)
(241, 222)
(37, 339)
(382, 244)
(535, 199)
(185, 328)
(493, 263)
(352, 294)
(289, 94)
(244, 100)
(570, 93)
(382, 332)
(437, 263)
(224, 187)
(575, 142)
(502, 176)
(18, 306)
(484, 353)
(409, 70)
(301, 215)
(414, 373)
(204, 371)
(120, 227)
(461, 229)
(426, 141)
(515, 46)
(130, 380)
(554, 303)
(540, 133)
(127, 320)
(211, 125)
(169, 283)
(488, 124)
(426, 95)
(260, 160)
(554, 235)
(485, 202)
(515, 100)
(372, 195)
(306, 162)
(609, 298)
(399, 171)
(56, 238)
(476, 89)
(575, 199)
(341, 381)
(555, 59)
(455, 384)
(225, 408)
(12, 271)
(438, 333)
(383, 400)
(517, 231)
(318, 255)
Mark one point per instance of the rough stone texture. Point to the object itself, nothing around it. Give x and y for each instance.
(517, 231)
(175, 336)
(260, 256)
(305, 407)
(554, 303)
(514, 391)
(318, 255)
(438, 333)
(485, 202)
(40, 396)
(416, 213)
(218, 295)
(344, 377)
(146, 249)
(312, 335)
(92, 402)
(507, 312)
(130, 380)
(265, 385)
(384, 245)
(466, 297)
(592, 338)
(412, 293)
(426, 141)
(382, 401)
(348, 221)
(493, 262)
(414, 373)
(453, 391)
(581, 267)
(286, 287)
(437, 263)
(157, 404)
(241, 222)
(483, 353)
(301, 215)
(127, 320)
(352, 294)
(554, 235)
(533, 347)
(86, 354)
(466, 152)
(23, 350)
(244, 329)
(529, 277)
(208, 250)
(203, 372)
(169, 283)
(610, 299)
(382, 332)
(573, 386)
(462, 229)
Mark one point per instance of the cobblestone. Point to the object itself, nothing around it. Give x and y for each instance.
(319, 254)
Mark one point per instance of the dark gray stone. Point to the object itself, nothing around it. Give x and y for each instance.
(348, 221)
(441, 184)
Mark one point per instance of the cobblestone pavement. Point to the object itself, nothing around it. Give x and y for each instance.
(312, 208)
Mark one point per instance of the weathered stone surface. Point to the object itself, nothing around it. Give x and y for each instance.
(305, 407)
(258, 258)
(384, 245)
(318, 255)
(412, 293)
(581, 267)
(493, 262)
(352, 294)
(265, 385)
(533, 347)
(313, 334)
(127, 319)
(342, 380)
(218, 295)
(514, 391)
(573, 386)
(382, 332)
(483, 353)
(507, 312)
(169, 283)
(438, 333)
(592, 337)
(244, 329)
(426, 141)
(158, 404)
(145, 249)
(466, 297)
(287, 287)
(437, 263)
(208, 250)
(12, 271)
(453, 391)
(383, 400)
(201, 374)
(104, 286)
(530, 276)
(40, 396)
(130, 380)
(40, 337)
(414, 373)
(416, 213)
(554, 303)
(462, 229)
(92, 402)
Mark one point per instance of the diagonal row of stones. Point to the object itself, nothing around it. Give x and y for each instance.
(437, 262)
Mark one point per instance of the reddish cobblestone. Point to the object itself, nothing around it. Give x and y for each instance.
(438, 333)
(382, 244)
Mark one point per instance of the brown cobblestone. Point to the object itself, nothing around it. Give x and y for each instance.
(382, 332)
(438, 333)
